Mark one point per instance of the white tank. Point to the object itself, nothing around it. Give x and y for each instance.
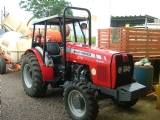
(13, 45)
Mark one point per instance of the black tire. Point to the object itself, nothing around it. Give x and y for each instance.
(125, 104)
(31, 76)
(2, 65)
(87, 108)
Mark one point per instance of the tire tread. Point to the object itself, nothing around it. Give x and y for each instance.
(38, 88)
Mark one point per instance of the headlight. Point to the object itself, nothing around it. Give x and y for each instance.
(129, 68)
(120, 70)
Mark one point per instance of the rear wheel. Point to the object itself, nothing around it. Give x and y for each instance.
(80, 101)
(125, 104)
(31, 76)
(2, 65)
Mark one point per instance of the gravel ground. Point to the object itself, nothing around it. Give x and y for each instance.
(16, 105)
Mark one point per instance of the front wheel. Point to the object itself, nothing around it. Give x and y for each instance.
(2, 65)
(125, 104)
(80, 101)
(32, 76)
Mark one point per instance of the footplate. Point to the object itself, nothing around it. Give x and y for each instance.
(130, 92)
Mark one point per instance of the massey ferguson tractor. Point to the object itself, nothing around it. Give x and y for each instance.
(83, 71)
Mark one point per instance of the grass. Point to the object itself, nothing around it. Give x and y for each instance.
(80, 39)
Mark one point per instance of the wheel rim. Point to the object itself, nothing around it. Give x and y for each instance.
(71, 97)
(27, 74)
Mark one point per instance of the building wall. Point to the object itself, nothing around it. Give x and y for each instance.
(100, 9)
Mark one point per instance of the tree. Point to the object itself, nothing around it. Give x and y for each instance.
(45, 8)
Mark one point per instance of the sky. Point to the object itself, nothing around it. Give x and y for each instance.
(97, 7)
(124, 7)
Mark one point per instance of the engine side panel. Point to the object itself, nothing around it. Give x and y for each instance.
(100, 74)
(98, 62)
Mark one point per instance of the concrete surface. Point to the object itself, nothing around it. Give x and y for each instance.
(145, 109)
(16, 105)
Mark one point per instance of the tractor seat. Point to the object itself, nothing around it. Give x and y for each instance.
(53, 50)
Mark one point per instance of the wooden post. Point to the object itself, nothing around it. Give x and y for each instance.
(98, 38)
(109, 36)
(127, 39)
(147, 54)
(121, 39)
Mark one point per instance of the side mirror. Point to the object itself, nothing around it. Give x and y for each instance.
(83, 26)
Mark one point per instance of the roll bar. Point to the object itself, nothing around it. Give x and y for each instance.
(64, 34)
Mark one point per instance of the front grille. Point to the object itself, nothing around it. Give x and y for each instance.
(125, 77)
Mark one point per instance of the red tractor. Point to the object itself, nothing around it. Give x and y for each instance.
(83, 71)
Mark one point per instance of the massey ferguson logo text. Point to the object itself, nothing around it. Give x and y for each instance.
(82, 53)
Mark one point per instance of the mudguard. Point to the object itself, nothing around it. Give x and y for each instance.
(47, 71)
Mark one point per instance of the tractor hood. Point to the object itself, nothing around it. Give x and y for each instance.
(89, 53)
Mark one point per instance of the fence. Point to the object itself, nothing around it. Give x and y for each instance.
(139, 42)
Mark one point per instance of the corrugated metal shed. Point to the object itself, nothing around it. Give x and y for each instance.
(121, 21)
